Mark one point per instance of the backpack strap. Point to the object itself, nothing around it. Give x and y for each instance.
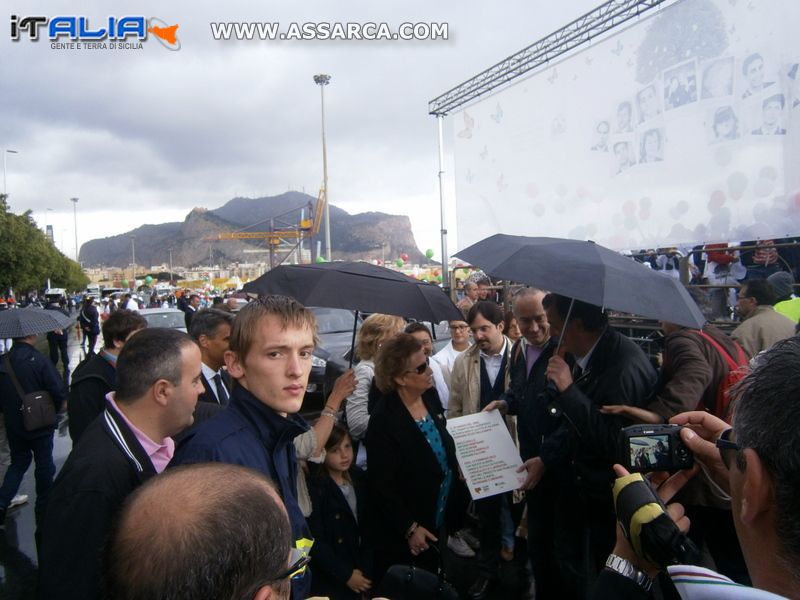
(732, 365)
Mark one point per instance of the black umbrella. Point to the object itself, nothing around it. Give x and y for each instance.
(588, 272)
(22, 322)
(357, 286)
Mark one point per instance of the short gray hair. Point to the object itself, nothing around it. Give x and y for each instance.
(767, 419)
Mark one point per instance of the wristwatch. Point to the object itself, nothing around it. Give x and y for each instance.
(626, 569)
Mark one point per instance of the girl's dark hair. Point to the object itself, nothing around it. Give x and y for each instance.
(338, 433)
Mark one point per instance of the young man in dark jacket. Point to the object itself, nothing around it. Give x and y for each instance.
(158, 381)
(97, 375)
(271, 345)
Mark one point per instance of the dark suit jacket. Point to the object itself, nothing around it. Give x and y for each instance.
(618, 372)
(208, 395)
(404, 475)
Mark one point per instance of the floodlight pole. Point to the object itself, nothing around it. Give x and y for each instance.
(322, 80)
(75, 221)
(445, 262)
(5, 153)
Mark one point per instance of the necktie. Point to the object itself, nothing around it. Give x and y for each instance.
(222, 393)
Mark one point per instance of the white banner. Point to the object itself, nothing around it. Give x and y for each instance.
(683, 128)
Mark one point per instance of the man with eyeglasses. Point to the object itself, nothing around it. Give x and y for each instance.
(459, 342)
(761, 325)
(756, 463)
(480, 375)
(203, 531)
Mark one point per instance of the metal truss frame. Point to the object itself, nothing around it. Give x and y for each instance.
(581, 31)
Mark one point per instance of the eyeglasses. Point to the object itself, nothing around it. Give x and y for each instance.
(728, 448)
(420, 369)
(300, 559)
(458, 327)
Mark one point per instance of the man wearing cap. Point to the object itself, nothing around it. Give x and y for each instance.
(785, 301)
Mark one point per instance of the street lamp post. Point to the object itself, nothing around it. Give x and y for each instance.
(322, 80)
(6, 152)
(75, 219)
(133, 258)
(170, 266)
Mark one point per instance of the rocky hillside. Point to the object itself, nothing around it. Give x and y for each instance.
(352, 236)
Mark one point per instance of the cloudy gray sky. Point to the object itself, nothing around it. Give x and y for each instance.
(144, 136)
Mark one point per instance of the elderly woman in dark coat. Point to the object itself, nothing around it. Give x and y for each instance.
(414, 484)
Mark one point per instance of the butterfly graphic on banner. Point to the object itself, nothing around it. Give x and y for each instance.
(497, 116)
(469, 124)
(501, 183)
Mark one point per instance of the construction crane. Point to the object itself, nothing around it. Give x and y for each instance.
(281, 233)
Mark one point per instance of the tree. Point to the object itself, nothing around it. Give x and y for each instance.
(28, 258)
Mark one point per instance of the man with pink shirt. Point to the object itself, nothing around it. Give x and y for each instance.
(158, 381)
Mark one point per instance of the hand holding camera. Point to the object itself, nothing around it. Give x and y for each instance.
(647, 448)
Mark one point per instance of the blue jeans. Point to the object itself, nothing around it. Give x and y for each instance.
(39, 449)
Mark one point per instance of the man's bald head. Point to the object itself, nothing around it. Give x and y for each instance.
(200, 531)
(530, 315)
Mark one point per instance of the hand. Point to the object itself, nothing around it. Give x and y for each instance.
(635, 414)
(418, 542)
(358, 583)
(342, 388)
(500, 405)
(558, 372)
(535, 468)
(702, 429)
(669, 486)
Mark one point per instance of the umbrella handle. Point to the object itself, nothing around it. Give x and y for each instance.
(564, 327)
(353, 341)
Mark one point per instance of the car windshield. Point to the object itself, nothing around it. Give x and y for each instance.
(333, 320)
(166, 319)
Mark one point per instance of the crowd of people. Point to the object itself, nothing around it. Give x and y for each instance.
(193, 475)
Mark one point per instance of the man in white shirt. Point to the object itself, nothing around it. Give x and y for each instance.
(459, 341)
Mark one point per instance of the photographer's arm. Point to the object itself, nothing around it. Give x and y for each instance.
(700, 432)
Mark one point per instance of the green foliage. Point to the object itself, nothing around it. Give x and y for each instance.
(28, 258)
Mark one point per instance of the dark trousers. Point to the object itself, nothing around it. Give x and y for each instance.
(542, 543)
(58, 345)
(23, 451)
(581, 533)
(489, 534)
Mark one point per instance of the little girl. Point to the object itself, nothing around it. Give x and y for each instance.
(341, 561)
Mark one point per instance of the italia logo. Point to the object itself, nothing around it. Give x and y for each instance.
(127, 29)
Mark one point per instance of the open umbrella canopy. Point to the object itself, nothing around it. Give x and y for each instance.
(357, 286)
(588, 272)
(22, 322)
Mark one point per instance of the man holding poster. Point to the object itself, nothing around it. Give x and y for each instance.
(480, 375)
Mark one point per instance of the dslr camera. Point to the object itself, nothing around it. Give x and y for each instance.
(648, 448)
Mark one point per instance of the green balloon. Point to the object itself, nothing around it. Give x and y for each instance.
(399, 262)
(429, 253)
(148, 280)
(320, 259)
(124, 283)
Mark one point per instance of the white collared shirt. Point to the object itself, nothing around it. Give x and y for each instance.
(209, 374)
(583, 361)
(493, 362)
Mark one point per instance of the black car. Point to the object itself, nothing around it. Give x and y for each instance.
(331, 357)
